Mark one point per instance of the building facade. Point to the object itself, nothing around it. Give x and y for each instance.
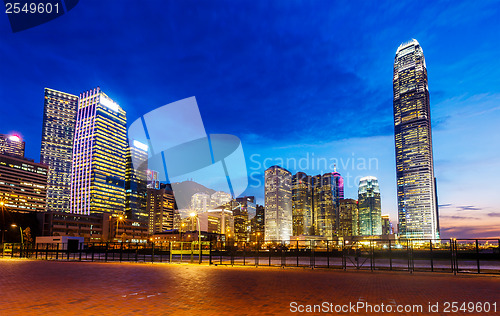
(386, 225)
(23, 184)
(11, 145)
(99, 155)
(348, 215)
(93, 228)
(278, 204)
(369, 207)
(302, 206)
(59, 118)
(257, 224)
(417, 202)
(243, 211)
(136, 182)
(328, 191)
(160, 207)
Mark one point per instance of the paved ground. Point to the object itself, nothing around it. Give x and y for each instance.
(79, 288)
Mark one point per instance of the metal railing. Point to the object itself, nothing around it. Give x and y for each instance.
(441, 255)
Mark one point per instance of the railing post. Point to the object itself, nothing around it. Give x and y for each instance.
(210, 254)
(452, 254)
(477, 256)
(258, 253)
(327, 256)
(344, 263)
(269, 257)
(152, 252)
(57, 251)
(297, 251)
(283, 254)
(390, 255)
(36, 251)
(432, 259)
(408, 254)
(170, 246)
(244, 248)
(121, 252)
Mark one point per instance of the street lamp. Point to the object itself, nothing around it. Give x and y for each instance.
(120, 218)
(22, 239)
(199, 235)
(2, 208)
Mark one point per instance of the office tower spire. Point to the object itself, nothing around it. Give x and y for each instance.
(417, 209)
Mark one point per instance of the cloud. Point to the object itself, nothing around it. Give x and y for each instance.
(460, 208)
(494, 214)
(459, 217)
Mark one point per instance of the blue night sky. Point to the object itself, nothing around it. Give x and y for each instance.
(292, 79)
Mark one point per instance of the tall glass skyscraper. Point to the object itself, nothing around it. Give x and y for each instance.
(136, 182)
(59, 117)
(369, 208)
(417, 203)
(99, 155)
(302, 208)
(278, 204)
(328, 191)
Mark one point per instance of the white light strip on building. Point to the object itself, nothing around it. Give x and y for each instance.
(140, 145)
(109, 103)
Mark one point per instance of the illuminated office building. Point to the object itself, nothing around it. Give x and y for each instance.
(160, 206)
(243, 212)
(219, 198)
(201, 202)
(369, 207)
(136, 181)
(348, 216)
(328, 191)
(22, 184)
(258, 223)
(417, 203)
(386, 225)
(11, 145)
(59, 118)
(99, 155)
(302, 208)
(278, 204)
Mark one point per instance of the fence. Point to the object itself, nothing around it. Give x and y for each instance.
(444, 255)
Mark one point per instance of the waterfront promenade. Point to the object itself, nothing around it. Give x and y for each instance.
(89, 288)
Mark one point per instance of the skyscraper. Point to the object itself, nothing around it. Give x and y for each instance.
(22, 184)
(278, 204)
(11, 145)
(328, 191)
(243, 212)
(348, 215)
(99, 155)
(136, 181)
(386, 225)
(160, 206)
(417, 209)
(59, 116)
(302, 208)
(369, 208)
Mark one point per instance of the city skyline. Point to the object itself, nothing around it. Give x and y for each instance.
(462, 78)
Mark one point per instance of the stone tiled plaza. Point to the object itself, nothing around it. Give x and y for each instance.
(82, 288)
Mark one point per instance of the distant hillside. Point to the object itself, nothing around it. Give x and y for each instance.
(183, 192)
